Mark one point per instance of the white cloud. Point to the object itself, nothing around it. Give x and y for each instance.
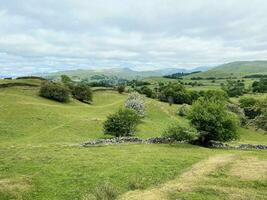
(40, 36)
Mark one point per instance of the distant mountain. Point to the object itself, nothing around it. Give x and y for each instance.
(125, 73)
(235, 69)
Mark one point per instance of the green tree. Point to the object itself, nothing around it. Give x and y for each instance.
(82, 92)
(260, 86)
(55, 91)
(234, 88)
(65, 79)
(122, 123)
(121, 89)
(211, 118)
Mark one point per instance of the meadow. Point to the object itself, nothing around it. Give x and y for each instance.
(41, 156)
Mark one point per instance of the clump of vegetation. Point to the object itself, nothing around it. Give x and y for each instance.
(184, 110)
(180, 133)
(234, 108)
(136, 102)
(234, 88)
(147, 91)
(55, 91)
(249, 106)
(82, 92)
(260, 86)
(121, 89)
(136, 183)
(106, 191)
(122, 123)
(212, 120)
(176, 92)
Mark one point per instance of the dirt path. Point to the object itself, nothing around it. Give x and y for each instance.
(183, 182)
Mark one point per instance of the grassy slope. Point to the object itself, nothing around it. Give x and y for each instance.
(40, 156)
(237, 69)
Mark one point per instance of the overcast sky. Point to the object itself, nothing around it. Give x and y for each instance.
(51, 35)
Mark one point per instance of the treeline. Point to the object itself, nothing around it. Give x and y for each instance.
(179, 75)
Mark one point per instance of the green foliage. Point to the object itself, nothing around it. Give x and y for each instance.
(213, 121)
(121, 89)
(54, 91)
(106, 191)
(148, 92)
(250, 106)
(122, 123)
(219, 95)
(137, 183)
(82, 92)
(260, 86)
(176, 92)
(184, 110)
(234, 88)
(65, 79)
(180, 133)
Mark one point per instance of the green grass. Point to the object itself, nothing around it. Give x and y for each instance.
(41, 156)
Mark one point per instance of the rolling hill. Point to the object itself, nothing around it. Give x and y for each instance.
(235, 69)
(125, 73)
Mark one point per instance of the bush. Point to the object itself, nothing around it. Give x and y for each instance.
(106, 192)
(148, 92)
(249, 104)
(213, 121)
(180, 133)
(260, 86)
(234, 88)
(121, 89)
(82, 92)
(122, 123)
(55, 91)
(234, 108)
(136, 102)
(184, 110)
(261, 121)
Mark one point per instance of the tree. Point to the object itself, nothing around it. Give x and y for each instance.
(121, 89)
(234, 88)
(180, 133)
(136, 102)
(55, 91)
(82, 92)
(213, 121)
(122, 123)
(65, 79)
(260, 86)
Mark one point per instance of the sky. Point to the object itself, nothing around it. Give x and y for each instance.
(38, 36)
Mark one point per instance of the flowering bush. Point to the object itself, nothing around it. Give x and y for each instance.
(136, 102)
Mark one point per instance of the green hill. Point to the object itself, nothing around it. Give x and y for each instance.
(41, 156)
(235, 69)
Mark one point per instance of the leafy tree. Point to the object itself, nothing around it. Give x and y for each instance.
(211, 118)
(260, 86)
(234, 88)
(136, 102)
(122, 123)
(121, 89)
(65, 79)
(82, 92)
(148, 92)
(55, 91)
(180, 133)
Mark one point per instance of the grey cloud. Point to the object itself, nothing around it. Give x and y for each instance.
(40, 36)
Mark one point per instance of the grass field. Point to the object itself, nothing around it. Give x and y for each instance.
(41, 156)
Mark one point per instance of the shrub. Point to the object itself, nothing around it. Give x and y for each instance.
(213, 121)
(184, 110)
(261, 121)
(260, 86)
(106, 191)
(122, 123)
(82, 92)
(180, 133)
(234, 108)
(55, 91)
(121, 89)
(148, 92)
(136, 102)
(249, 106)
(219, 95)
(234, 88)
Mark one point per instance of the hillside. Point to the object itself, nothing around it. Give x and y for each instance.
(125, 73)
(42, 158)
(235, 69)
